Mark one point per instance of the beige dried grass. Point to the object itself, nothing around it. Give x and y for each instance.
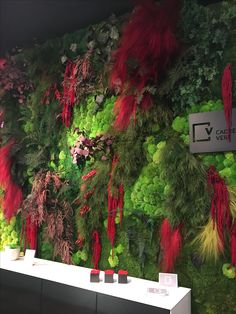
(209, 244)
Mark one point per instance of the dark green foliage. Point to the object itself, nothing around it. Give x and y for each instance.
(41, 126)
(104, 38)
(229, 56)
(139, 247)
(97, 202)
(129, 145)
(45, 59)
(46, 250)
(204, 32)
(212, 293)
(188, 200)
(141, 238)
(11, 126)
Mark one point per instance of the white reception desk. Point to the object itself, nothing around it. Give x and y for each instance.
(178, 300)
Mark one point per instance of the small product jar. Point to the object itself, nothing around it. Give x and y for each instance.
(109, 273)
(122, 276)
(94, 275)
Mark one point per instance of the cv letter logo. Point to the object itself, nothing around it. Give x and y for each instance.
(202, 132)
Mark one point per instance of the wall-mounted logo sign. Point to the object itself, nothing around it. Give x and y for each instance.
(208, 132)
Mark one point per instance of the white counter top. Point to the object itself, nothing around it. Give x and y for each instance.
(76, 276)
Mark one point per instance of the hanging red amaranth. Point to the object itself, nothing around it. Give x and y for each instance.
(220, 210)
(13, 193)
(76, 73)
(112, 207)
(114, 203)
(96, 249)
(29, 234)
(68, 96)
(147, 45)
(171, 243)
(227, 97)
(233, 245)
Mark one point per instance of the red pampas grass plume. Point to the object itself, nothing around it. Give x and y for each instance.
(12, 200)
(233, 245)
(96, 249)
(125, 108)
(171, 243)
(5, 164)
(149, 39)
(227, 97)
(146, 48)
(13, 194)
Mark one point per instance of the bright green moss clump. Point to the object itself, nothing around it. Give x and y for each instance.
(148, 192)
(8, 233)
(92, 118)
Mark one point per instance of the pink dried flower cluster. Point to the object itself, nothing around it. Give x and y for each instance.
(85, 148)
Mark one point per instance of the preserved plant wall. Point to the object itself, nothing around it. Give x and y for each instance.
(95, 167)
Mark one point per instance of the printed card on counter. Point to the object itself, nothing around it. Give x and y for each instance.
(29, 257)
(158, 291)
(168, 280)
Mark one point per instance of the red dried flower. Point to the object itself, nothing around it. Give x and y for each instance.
(88, 194)
(89, 175)
(3, 63)
(80, 241)
(84, 210)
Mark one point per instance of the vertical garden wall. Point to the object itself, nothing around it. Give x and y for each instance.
(95, 167)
